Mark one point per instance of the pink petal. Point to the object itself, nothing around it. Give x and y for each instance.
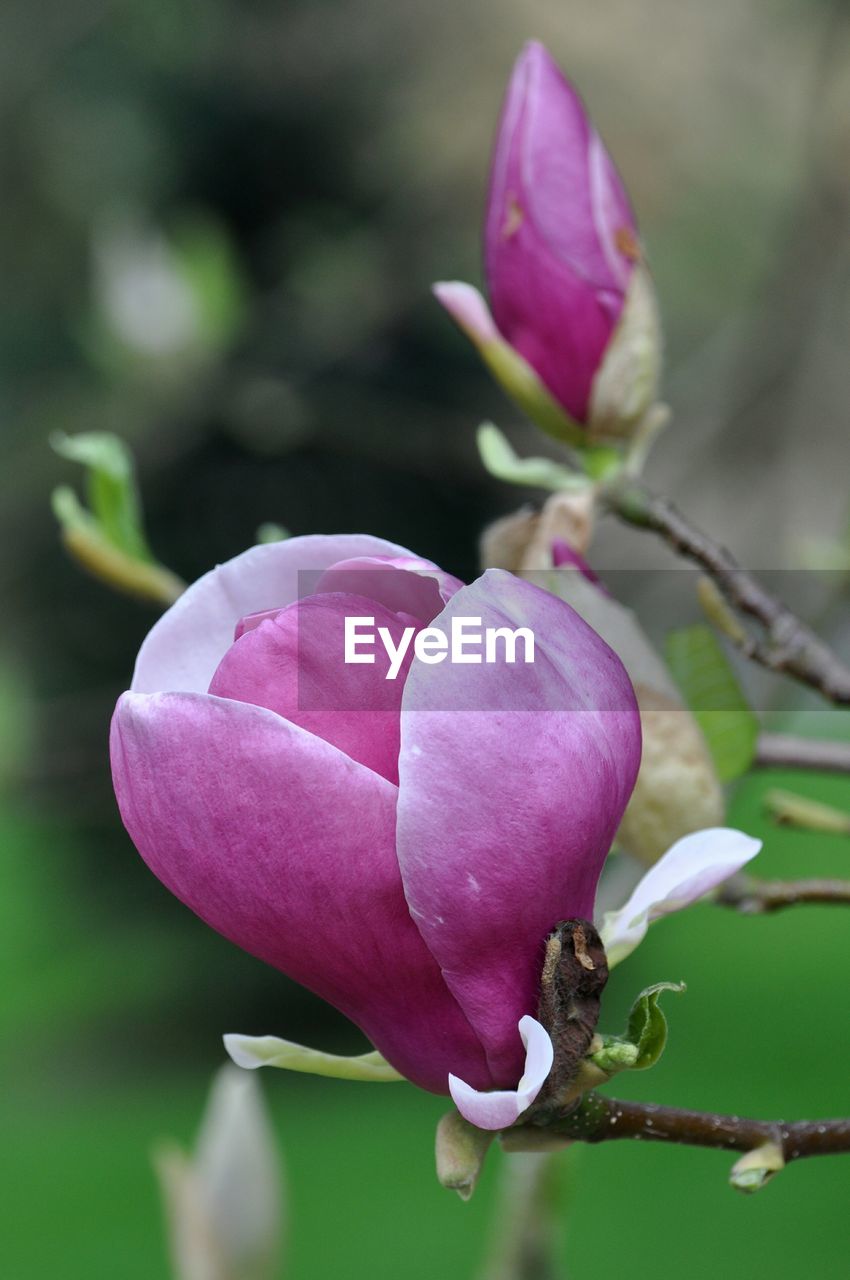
(689, 870)
(501, 1109)
(565, 556)
(557, 220)
(576, 199)
(287, 847)
(404, 585)
(183, 649)
(293, 663)
(513, 780)
(468, 309)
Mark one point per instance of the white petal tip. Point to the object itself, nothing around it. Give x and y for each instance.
(692, 868)
(251, 1052)
(503, 1107)
(240, 1051)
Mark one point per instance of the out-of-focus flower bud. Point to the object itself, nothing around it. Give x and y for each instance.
(224, 1204)
(677, 790)
(525, 539)
(574, 334)
(162, 301)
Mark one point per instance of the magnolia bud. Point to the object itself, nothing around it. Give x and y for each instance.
(224, 1203)
(574, 334)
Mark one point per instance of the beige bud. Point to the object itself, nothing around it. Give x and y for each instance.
(460, 1150)
(677, 789)
(522, 542)
(626, 382)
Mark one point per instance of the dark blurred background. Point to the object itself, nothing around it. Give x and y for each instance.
(220, 223)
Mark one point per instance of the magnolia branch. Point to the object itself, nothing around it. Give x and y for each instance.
(785, 751)
(788, 645)
(601, 1119)
(760, 897)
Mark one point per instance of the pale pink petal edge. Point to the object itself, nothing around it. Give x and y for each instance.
(183, 649)
(502, 1108)
(691, 868)
(467, 308)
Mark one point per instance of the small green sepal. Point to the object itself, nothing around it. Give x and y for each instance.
(647, 1027)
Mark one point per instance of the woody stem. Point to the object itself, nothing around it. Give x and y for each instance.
(601, 1119)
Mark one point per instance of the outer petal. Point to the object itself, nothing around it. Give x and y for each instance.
(286, 846)
(183, 649)
(513, 780)
(689, 870)
(293, 664)
(560, 242)
(501, 1109)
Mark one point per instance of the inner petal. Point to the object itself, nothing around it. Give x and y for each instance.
(293, 663)
(404, 585)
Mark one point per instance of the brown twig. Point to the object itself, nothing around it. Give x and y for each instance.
(787, 645)
(760, 897)
(786, 751)
(601, 1119)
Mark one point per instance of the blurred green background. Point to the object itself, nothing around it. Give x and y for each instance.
(219, 226)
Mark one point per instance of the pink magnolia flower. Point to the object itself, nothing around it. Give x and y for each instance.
(573, 332)
(401, 847)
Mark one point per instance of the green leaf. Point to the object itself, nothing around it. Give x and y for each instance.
(111, 488)
(710, 688)
(600, 462)
(106, 539)
(502, 462)
(647, 1029)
